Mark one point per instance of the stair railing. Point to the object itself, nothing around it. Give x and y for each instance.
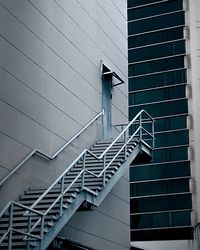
(59, 182)
(138, 134)
(42, 154)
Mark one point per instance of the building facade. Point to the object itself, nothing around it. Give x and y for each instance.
(163, 52)
(50, 87)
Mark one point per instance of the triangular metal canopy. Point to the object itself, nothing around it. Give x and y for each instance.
(107, 73)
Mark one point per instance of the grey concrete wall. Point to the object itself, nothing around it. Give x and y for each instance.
(50, 87)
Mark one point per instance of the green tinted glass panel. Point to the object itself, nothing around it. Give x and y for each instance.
(171, 219)
(156, 51)
(159, 187)
(157, 95)
(170, 154)
(155, 37)
(172, 138)
(149, 221)
(156, 23)
(171, 123)
(161, 109)
(181, 218)
(161, 171)
(160, 203)
(156, 66)
(154, 9)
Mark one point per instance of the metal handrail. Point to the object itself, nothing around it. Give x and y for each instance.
(36, 151)
(60, 180)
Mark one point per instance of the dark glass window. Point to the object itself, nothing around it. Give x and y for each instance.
(157, 80)
(172, 138)
(170, 154)
(171, 123)
(155, 9)
(159, 187)
(156, 23)
(161, 109)
(160, 171)
(157, 51)
(155, 37)
(171, 219)
(161, 203)
(156, 66)
(156, 95)
(163, 234)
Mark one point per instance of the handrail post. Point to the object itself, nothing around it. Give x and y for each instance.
(140, 124)
(83, 174)
(10, 227)
(42, 231)
(153, 132)
(29, 228)
(61, 192)
(125, 148)
(104, 173)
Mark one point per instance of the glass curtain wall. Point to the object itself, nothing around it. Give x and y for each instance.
(160, 198)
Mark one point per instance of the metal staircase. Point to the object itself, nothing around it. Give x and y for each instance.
(36, 219)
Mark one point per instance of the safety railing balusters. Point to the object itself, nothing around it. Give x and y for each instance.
(10, 226)
(42, 230)
(140, 124)
(83, 174)
(104, 173)
(29, 229)
(153, 133)
(61, 199)
(125, 148)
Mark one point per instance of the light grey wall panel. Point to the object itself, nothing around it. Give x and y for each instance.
(46, 58)
(27, 72)
(85, 21)
(122, 189)
(11, 152)
(101, 18)
(31, 104)
(121, 5)
(111, 208)
(27, 131)
(115, 15)
(91, 240)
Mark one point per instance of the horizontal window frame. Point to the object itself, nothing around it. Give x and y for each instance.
(160, 163)
(157, 88)
(157, 72)
(164, 211)
(156, 44)
(174, 146)
(163, 179)
(149, 103)
(148, 4)
(157, 30)
(160, 228)
(159, 15)
(156, 59)
(170, 116)
(159, 195)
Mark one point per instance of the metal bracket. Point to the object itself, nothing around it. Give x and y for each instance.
(108, 73)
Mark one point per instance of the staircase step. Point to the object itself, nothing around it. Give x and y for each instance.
(40, 191)
(33, 197)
